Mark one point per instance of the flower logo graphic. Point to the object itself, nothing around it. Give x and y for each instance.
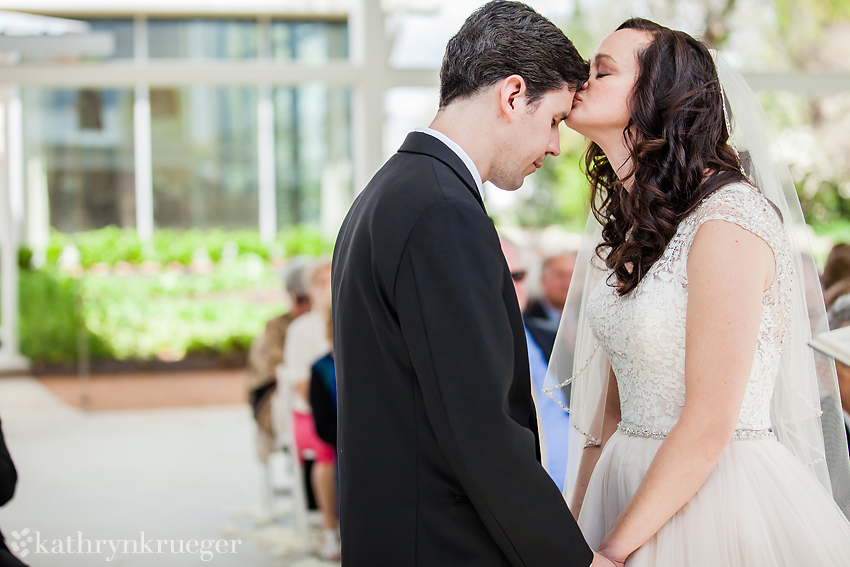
(22, 539)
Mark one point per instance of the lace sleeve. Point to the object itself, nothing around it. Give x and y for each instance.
(746, 207)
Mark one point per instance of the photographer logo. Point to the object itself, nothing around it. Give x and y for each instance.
(27, 541)
(22, 538)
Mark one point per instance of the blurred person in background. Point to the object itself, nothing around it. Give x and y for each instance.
(839, 317)
(837, 265)
(306, 342)
(836, 290)
(553, 422)
(267, 352)
(836, 273)
(8, 480)
(555, 280)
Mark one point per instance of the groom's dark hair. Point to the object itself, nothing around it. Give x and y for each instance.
(504, 38)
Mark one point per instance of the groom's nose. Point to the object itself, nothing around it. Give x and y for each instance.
(554, 148)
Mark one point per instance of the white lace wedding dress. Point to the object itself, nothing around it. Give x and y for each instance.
(760, 506)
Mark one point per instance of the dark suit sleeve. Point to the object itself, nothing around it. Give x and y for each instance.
(8, 474)
(455, 322)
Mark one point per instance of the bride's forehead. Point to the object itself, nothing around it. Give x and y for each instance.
(621, 44)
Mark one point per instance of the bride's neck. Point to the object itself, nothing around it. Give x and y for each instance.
(621, 161)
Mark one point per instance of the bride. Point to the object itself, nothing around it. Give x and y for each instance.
(695, 400)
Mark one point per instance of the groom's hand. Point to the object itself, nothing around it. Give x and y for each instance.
(602, 561)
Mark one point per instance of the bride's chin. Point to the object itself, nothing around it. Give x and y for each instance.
(577, 126)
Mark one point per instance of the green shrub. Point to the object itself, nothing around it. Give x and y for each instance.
(166, 315)
(110, 245)
(171, 314)
(301, 240)
(50, 318)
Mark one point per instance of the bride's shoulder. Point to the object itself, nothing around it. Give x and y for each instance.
(739, 193)
(741, 203)
(744, 205)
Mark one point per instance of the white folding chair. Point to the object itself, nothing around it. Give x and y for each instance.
(291, 482)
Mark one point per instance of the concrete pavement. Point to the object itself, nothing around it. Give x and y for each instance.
(134, 477)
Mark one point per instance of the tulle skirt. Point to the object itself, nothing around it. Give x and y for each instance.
(759, 507)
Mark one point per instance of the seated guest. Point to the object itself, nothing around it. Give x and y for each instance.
(555, 277)
(307, 341)
(836, 290)
(553, 422)
(267, 352)
(8, 480)
(836, 273)
(839, 317)
(837, 265)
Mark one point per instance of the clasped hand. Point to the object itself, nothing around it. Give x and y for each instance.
(600, 560)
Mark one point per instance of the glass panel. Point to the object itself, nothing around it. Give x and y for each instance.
(202, 39)
(78, 158)
(121, 30)
(204, 143)
(313, 154)
(309, 41)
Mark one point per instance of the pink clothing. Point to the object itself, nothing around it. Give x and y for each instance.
(307, 440)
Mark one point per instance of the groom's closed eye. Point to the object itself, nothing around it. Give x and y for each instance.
(518, 276)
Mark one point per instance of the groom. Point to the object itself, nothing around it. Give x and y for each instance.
(438, 460)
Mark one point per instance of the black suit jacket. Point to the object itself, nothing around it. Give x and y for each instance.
(535, 310)
(8, 479)
(543, 331)
(437, 448)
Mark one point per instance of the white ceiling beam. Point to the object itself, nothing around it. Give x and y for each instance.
(97, 43)
(799, 82)
(235, 72)
(196, 8)
(183, 72)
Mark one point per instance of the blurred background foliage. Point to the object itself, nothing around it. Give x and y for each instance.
(164, 307)
(190, 292)
(758, 35)
(111, 245)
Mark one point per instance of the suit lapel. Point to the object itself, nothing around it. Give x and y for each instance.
(425, 144)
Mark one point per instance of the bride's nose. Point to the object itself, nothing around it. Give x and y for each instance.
(583, 86)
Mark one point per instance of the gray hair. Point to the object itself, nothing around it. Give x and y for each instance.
(296, 276)
(839, 313)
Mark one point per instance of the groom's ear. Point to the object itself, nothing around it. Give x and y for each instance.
(511, 90)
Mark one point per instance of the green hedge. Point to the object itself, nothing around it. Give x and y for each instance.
(111, 245)
(51, 318)
(138, 317)
(171, 314)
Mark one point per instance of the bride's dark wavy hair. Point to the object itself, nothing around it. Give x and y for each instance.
(679, 147)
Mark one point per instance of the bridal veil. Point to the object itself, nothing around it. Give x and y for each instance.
(805, 409)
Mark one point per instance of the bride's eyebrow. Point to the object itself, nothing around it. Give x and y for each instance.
(604, 56)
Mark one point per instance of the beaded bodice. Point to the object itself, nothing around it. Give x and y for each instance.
(643, 332)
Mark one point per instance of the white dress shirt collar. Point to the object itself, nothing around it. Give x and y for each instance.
(460, 153)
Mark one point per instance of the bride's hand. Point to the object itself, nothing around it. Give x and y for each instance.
(600, 560)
